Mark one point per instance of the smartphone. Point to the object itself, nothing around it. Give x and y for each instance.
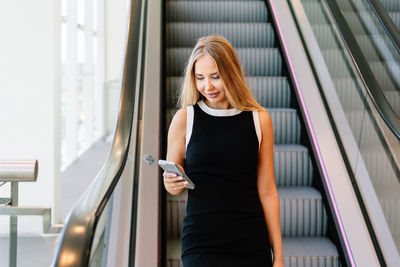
(170, 166)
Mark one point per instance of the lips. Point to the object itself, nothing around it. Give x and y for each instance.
(213, 95)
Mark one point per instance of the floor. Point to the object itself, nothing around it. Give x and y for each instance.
(37, 251)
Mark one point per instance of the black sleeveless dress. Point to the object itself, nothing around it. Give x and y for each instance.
(224, 223)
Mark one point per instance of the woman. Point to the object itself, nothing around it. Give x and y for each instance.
(224, 140)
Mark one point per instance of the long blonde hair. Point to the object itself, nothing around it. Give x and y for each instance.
(229, 68)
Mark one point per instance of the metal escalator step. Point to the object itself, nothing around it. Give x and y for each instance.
(173, 85)
(302, 211)
(174, 253)
(270, 92)
(297, 252)
(216, 11)
(183, 34)
(309, 252)
(391, 5)
(175, 212)
(292, 165)
(285, 121)
(286, 124)
(255, 61)
(315, 13)
(396, 18)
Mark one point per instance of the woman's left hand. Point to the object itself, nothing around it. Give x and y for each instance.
(278, 263)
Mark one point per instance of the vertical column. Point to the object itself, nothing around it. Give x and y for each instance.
(88, 92)
(99, 68)
(13, 227)
(71, 85)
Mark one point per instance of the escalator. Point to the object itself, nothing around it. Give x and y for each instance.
(393, 9)
(248, 25)
(126, 218)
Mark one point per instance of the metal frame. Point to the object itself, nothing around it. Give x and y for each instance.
(373, 87)
(373, 211)
(74, 248)
(15, 172)
(353, 233)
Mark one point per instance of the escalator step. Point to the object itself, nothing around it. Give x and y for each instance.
(270, 92)
(216, 11)
(286, 124)
(255, 61)
(310, 252)
(285, 121)
(175, 212)
(391, 5)
(302, 212)
(292, 165)
(396, 18)
(185, 34)
(297, 252)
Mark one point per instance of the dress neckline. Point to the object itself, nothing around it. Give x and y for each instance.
(218, 112)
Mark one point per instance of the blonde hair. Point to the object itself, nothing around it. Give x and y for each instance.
(229, 68)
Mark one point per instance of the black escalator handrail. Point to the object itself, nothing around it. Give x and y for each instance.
(373, 88)
(75, 241)
(387, 22)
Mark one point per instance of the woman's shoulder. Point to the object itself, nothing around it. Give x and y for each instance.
(265, 121)
(180, 117)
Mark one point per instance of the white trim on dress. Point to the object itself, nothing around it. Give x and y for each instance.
(256, 119)
(189, 123)
(218, 112)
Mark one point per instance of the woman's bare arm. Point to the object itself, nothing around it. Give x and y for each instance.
(176, 152)
(267, 188)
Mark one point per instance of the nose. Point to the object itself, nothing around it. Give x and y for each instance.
(209, 85)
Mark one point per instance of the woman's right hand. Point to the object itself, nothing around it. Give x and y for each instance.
(173, 183)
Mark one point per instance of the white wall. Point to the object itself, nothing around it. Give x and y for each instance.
(30, 85)
(116, 25)
(30, 101)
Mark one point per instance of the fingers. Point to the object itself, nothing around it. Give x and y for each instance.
(174, 182)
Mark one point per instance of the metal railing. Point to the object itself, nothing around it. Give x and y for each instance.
(14, 172)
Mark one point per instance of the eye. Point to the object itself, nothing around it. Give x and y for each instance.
(199, 78)
(216, 77)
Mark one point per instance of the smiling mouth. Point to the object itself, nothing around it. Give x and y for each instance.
(213, 95)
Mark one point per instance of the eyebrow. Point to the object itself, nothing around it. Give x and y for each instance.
(210, 73)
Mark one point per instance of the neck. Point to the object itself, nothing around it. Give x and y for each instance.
(223, 105)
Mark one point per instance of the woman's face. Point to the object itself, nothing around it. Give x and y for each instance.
(209, 82)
